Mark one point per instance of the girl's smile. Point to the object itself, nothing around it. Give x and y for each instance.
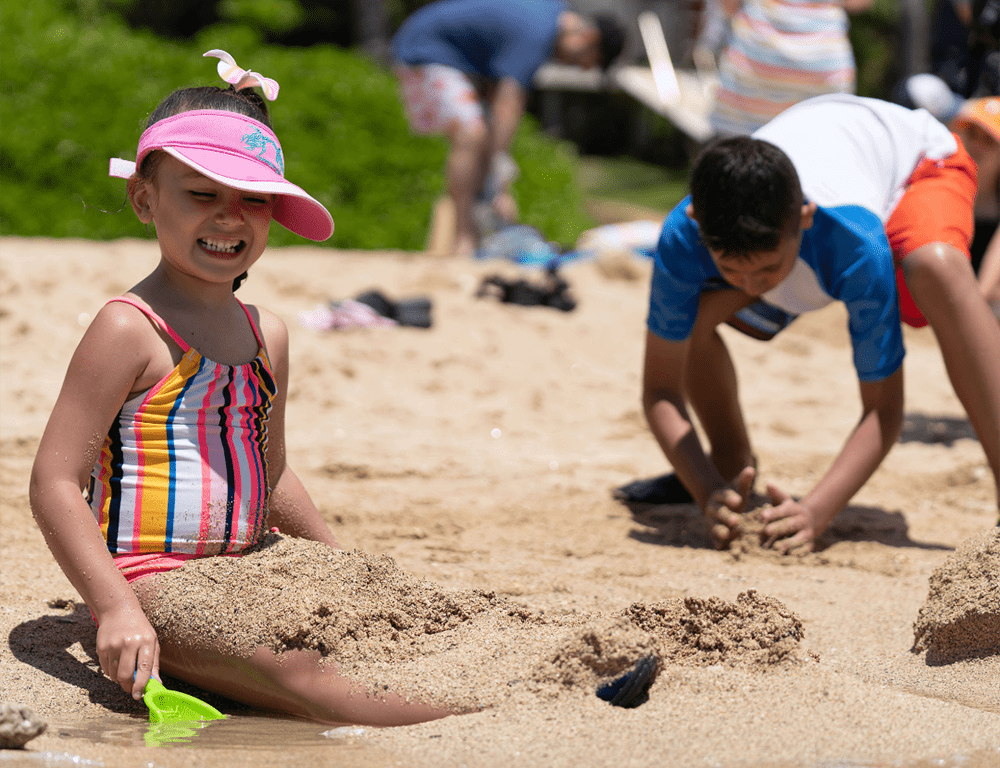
(206, 229)
(221, 246)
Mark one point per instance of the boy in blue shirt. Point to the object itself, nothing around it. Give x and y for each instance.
(839, 198)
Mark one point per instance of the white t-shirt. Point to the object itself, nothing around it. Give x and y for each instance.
(850, 150)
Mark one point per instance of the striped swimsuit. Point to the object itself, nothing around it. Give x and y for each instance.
(780, 52)
(183, 468)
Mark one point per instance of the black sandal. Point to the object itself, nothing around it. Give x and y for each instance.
(630, 689)
(665, 489)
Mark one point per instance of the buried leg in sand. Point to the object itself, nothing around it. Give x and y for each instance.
(336, 636)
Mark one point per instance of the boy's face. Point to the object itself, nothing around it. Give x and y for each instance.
(757, 273)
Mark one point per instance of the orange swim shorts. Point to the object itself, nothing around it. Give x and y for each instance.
(936, 208)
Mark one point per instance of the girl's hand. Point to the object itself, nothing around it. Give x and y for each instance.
(724, 507)
(789, 524)
(128, 650)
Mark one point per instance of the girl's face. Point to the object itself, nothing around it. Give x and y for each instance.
(205, 229)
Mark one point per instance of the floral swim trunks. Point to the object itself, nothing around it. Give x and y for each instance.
(435, 97)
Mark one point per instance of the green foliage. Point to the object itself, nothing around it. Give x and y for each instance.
(874, 37)
(78, 87)
(278, 15)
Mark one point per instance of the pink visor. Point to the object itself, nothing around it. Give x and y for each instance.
(239, 152)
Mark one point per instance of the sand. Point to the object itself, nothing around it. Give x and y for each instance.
(467, 469)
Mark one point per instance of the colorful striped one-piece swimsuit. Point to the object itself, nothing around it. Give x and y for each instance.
(183, 468)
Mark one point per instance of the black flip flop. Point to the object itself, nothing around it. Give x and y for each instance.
(414, 312)
(665, 489)
(630, 689)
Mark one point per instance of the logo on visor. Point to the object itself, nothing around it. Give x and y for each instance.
(263, 144)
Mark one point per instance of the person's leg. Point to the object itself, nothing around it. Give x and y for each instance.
(712, 386)
(466, 170)
(944, 288)
(298, 682)
(929, 232)
(442, 100)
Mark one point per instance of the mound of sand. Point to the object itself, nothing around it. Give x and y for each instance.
(961, 617)
(385, 627)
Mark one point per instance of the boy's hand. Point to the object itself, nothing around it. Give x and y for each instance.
(788, 524)
(724, 506)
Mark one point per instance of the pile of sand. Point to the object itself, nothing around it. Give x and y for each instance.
(467, 649)
(961, 617)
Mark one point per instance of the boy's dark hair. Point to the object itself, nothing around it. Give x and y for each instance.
(745, 194)
(612, 37)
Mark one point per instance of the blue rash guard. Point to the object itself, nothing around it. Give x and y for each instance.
(844, 257)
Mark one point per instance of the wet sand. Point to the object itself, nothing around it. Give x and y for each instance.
(472, 464)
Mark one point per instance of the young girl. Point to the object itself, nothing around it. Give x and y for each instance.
(167, 440)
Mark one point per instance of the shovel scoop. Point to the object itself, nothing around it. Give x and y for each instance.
(166, 706)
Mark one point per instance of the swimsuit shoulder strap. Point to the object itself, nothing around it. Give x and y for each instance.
(158, 321)
(253, 325)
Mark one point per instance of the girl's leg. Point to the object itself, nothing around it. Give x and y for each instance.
(296, 682)
(944, 287)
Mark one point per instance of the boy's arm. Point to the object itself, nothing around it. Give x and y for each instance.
(110, 358)
(791, 523)
(290, 508)
(666, 412)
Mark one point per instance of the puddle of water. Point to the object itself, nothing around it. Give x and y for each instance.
(236, 732)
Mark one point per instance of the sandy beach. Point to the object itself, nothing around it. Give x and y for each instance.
(480, 456)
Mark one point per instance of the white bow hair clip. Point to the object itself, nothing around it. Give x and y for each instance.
(242, 78)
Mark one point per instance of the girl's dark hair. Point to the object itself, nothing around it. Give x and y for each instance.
(245, 101)
(745, 194)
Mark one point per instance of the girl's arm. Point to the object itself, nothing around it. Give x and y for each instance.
(113, 354)
(290, 507)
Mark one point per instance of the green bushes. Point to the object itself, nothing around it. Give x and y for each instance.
(78, 87)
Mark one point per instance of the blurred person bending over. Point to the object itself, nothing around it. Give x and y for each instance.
(465, 68)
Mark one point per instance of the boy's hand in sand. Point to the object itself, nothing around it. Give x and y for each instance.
(724, 507)
(788, 523)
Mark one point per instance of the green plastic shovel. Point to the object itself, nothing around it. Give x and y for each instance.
(167, 706)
